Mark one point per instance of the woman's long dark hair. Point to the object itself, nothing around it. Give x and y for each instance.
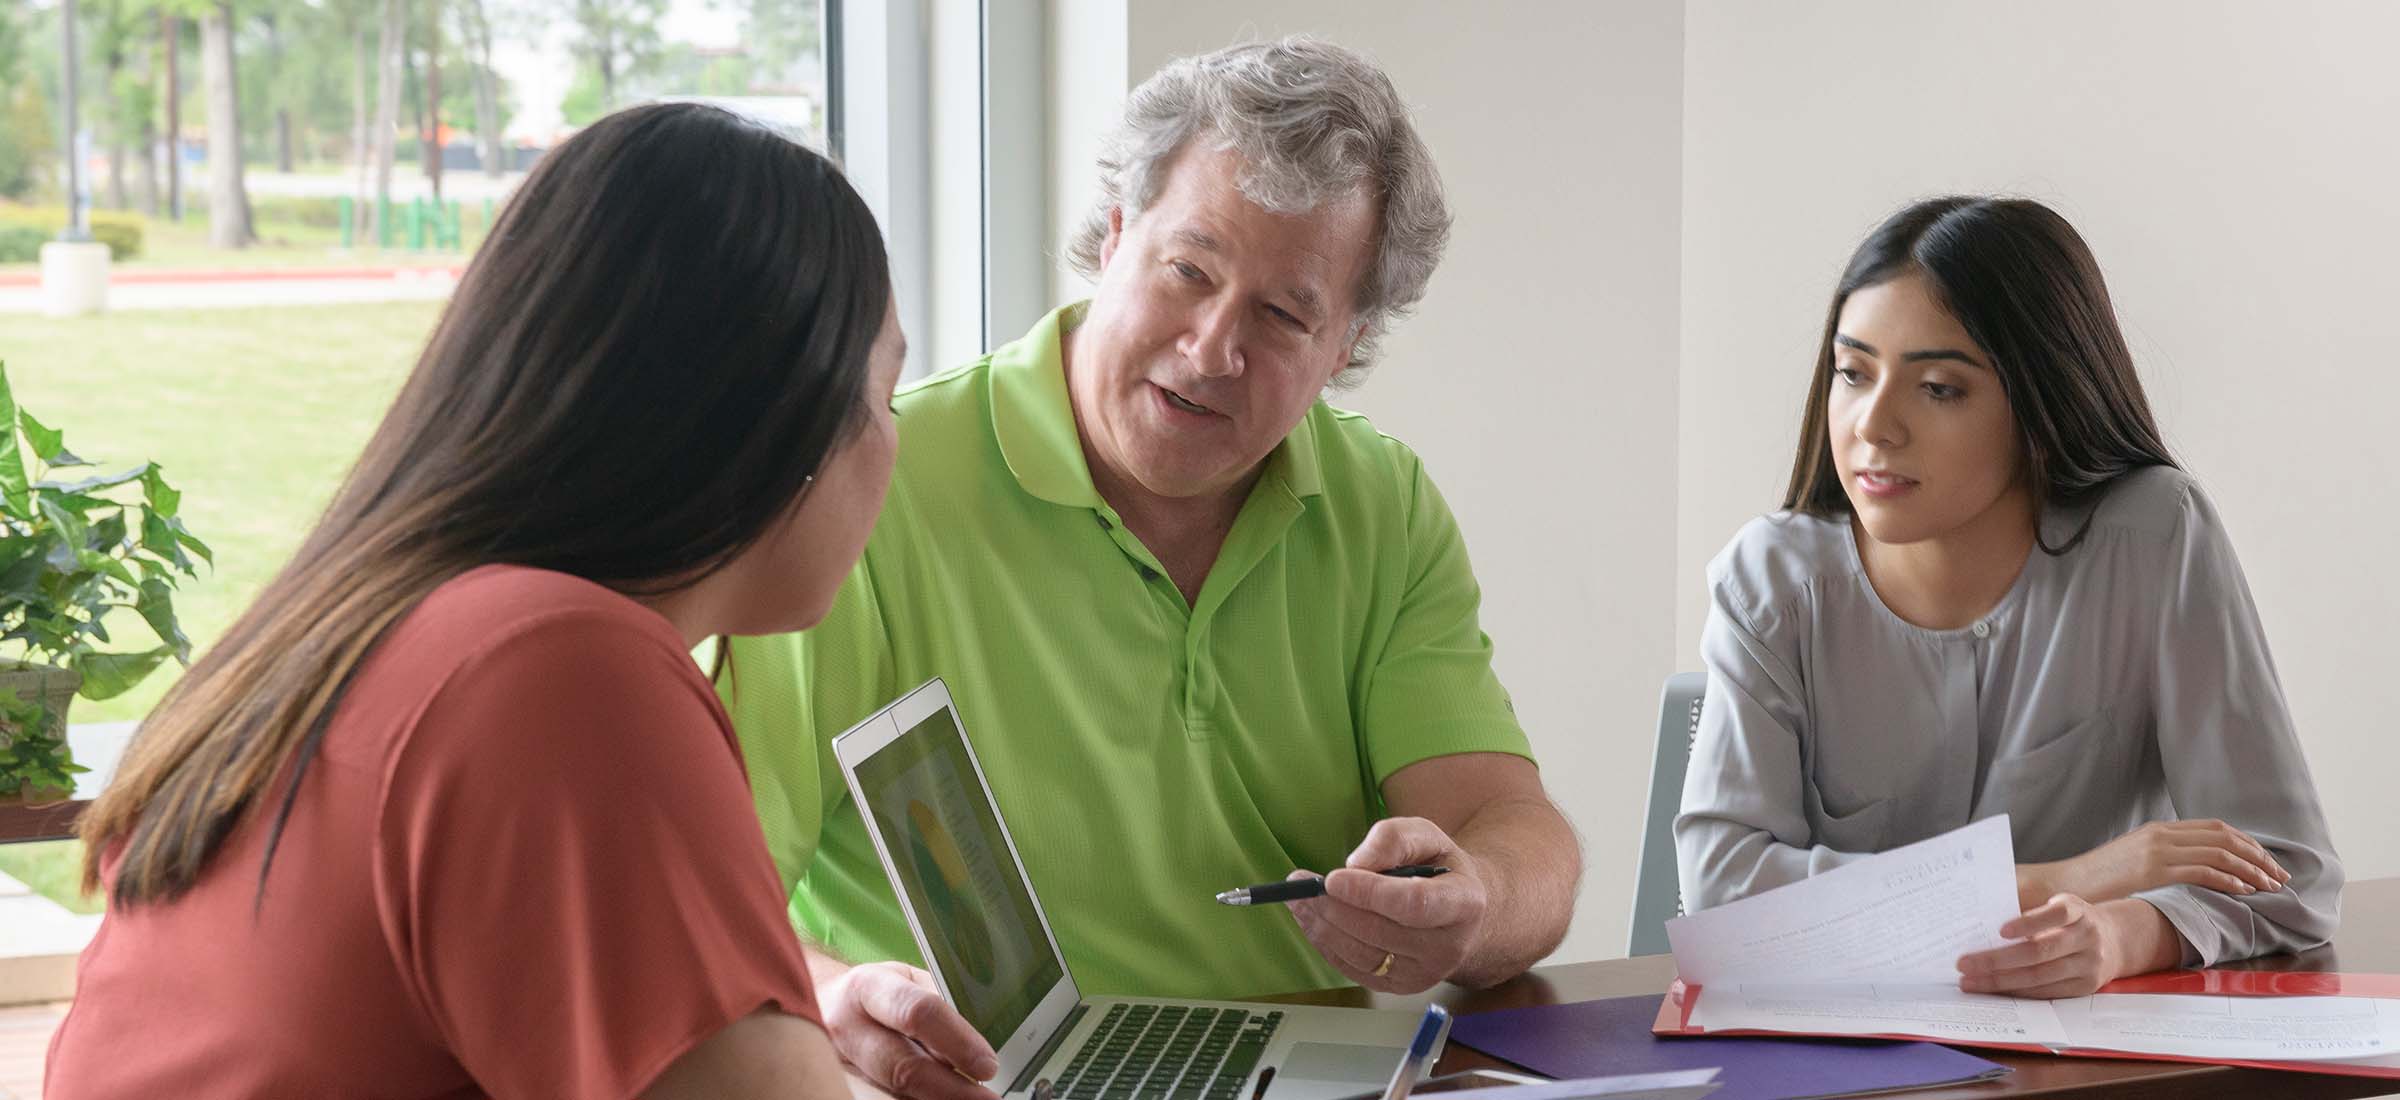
(665, 336)
(2023, 284)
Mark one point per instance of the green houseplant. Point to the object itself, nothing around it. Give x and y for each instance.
(73, 551)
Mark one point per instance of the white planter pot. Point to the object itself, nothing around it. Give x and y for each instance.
(74, 277)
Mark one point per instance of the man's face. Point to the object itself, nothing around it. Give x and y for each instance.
(1215, 326)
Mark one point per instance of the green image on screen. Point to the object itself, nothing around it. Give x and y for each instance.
(959, 876)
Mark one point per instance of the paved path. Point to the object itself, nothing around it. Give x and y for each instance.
(139, 288)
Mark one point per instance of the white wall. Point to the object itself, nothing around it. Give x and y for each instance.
(2235, 166)
(953, 332)
(1088, 80)
(1543, 355)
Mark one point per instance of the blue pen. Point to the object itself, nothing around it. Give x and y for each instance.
(1430, 1032)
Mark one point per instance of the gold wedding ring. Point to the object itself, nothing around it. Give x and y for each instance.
(1384, 967)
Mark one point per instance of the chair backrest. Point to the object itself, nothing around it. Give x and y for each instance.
(1657, 896)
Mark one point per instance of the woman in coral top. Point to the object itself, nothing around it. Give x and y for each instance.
(450, 811)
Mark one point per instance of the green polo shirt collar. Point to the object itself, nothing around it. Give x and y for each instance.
(1035, 423)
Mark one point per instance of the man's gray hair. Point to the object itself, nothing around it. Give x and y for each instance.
(1312, 122)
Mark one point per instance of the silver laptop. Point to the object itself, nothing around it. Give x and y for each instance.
(985, 939)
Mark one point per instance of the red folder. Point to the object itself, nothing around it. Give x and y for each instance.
(1674, 1013)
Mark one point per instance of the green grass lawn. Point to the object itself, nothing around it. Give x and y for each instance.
(255, 414)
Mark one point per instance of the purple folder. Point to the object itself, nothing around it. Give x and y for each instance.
(1599, 1038)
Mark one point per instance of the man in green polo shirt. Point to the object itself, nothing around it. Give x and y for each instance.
(1204, 630)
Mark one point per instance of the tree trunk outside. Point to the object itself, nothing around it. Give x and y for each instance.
(361, 221)
(228, 201)
(387, 102)
(149, 176)
(487, 99)
(114, 116)
(118, 199)
(429, 147)
(608, 73)
(412, 92)
(170, 35)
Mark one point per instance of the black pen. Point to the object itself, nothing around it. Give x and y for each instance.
(1264, 1076)
(1294, 889)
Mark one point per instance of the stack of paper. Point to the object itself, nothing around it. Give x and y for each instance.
(1871, 948)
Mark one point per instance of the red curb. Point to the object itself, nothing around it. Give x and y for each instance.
(130, 276)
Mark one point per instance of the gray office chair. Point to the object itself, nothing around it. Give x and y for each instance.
(1656, 894)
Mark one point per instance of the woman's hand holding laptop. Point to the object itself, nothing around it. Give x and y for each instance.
(891, 1026)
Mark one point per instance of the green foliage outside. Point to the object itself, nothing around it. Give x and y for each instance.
(25, 136)
(28, 144)
(121, 232)
(259, 412)
(22, 244)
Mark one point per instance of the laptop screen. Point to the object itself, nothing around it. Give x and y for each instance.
(962, 880)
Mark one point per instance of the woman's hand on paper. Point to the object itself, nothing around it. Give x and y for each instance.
(1427, 926)
(2069, 947)
(2206, 853)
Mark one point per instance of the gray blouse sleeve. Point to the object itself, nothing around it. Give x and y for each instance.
(2226, 740)
(1744, 828)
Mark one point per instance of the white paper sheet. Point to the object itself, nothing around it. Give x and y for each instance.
(1676, 1084)
(1902, 916)
(1684, 1084)
(2274, 1029)
(1933, 1010)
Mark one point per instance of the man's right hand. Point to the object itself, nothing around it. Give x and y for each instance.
(2162, 853)
(889, 1023)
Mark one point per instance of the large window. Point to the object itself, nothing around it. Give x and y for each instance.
(943, 133)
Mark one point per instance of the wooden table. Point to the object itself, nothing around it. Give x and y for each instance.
(2369, 942)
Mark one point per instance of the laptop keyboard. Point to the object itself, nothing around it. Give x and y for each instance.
(1167, 1052)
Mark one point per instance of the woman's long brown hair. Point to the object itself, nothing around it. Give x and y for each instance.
(665, 336)
(2024, 285)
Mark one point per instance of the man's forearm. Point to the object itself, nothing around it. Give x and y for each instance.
(1531, 864)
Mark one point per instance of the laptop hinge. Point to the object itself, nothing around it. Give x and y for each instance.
(1042, 1057)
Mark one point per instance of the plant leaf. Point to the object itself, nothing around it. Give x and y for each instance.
(67, 528)
(97, 481)
(98, 562)
(193, 543)
(46, 441)
(108, 675)
(21, 578)
(108, 535)
(157, 537)
(163, 498)
(13, 496)
(157, 607)
(63, 556)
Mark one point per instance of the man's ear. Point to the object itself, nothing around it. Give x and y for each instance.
(1116, 233)
(1350, 354)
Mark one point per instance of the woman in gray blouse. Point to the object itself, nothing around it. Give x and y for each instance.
(1990, 590)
